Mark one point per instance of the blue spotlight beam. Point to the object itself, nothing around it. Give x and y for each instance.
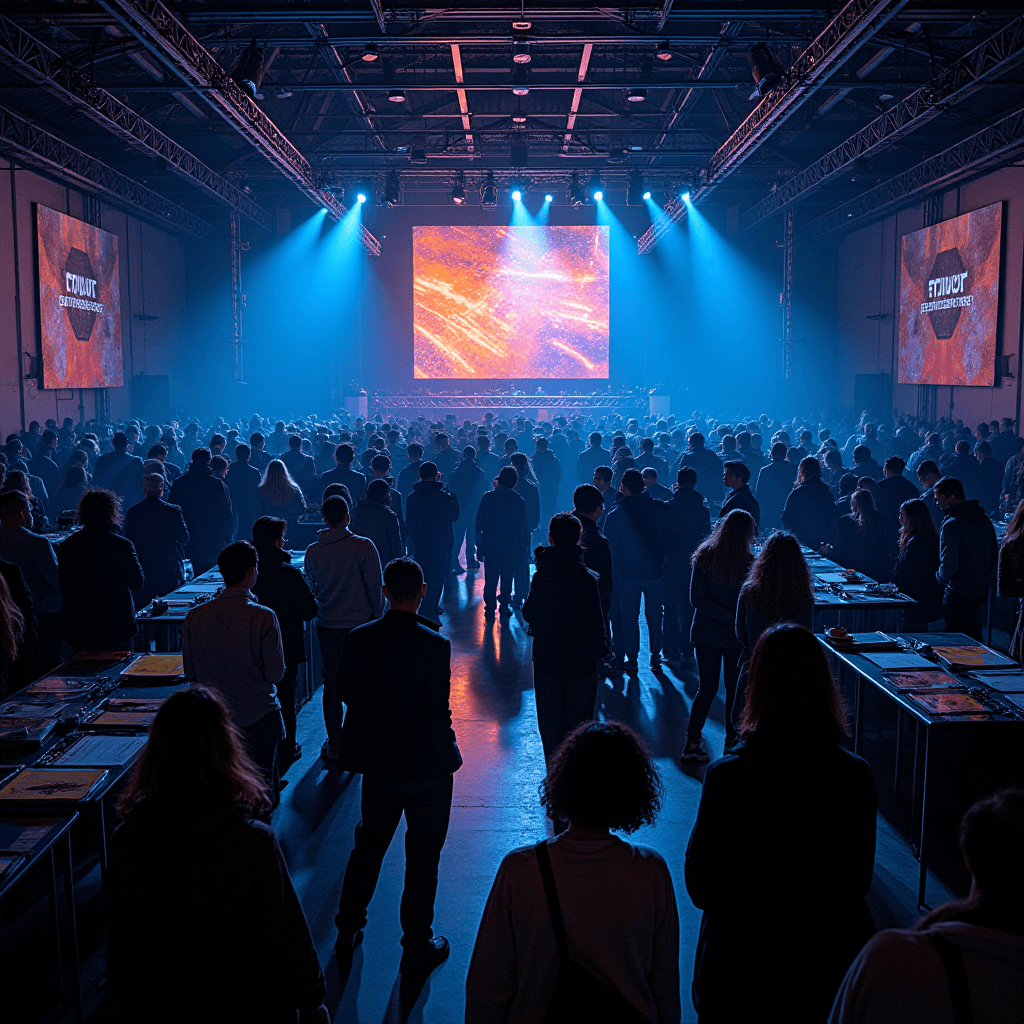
(851, 28)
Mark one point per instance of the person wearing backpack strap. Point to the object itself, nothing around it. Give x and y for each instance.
(583, 927)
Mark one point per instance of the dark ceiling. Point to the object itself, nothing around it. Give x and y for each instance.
(692, 60)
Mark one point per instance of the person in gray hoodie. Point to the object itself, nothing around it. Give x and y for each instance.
(344, 573)
(968, 556)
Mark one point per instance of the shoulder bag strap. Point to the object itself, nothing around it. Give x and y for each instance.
(551, 893)
(956, 974)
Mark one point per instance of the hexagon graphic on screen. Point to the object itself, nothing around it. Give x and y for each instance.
(80, 281)
(948, 278)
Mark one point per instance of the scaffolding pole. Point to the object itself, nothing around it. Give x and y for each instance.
(237, 298)
(787, 294)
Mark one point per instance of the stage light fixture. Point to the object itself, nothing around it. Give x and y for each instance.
(685, 197)
(596, 187)
(370, 52)
(360, 192)
(521, 52)
(636, 188)
(517, 189)
(664, 50)
(248, 73)
(548, 197)
(458, 192)
(765, 68)
(647, 195)
(489, 192)
(396, 96)
(519, 119)
(636, 95)
(577, 195)
(392, 195)
(521, 80)
(283, 93)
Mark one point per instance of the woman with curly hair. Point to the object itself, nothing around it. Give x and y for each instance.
(614, 901)
(781, 855)
(203, 921)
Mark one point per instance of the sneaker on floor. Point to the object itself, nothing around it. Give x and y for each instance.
(694, 752)
(424, 961)
(329, 751)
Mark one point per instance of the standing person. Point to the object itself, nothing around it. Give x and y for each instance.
(280, 586)
(916, 566)
(98, 569)
(968, 556)
(409, 477)
(158, 531)
(590, 458)
(688, 522)
(603, 482)
(487, 460)
(73, 486)
(719, 568)
(597, 556)
(118, 471)
(260, 457)
(635, 529)
(502, 539)
(736, 477)
(445, 457)
(615, 902)
(344, 574)
(566, 621)
(343, 473)
(243, 480)
(468, 484)
(301, 468)
(1011, 577)
(431, 512)
(278, 495)
(774, 482)
(205, 502)
(549, 478)
(380, 469)
(894, 489)
(44, 460)
(706, 464)
(226, 938)
(784, 830)
(928, 477)
(989, 477)
(865, 540)
(395, 680)
(372, 517)
(647, 459)
(232, 644)
(659, 492)
(810, 511)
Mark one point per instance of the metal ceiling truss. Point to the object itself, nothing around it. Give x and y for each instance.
(45, 152)
(987, 149)
(177, 49)
(853, 26)
(42, 66)
(995, 56)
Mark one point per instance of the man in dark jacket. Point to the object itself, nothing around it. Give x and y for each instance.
(468, 484)
(431, 511)
(243, 480)
(688, 523)
(588, 507)
(737, 479)
(567, 625)
(395, 680)
(928, 476)
(409, 477)
(120, 472)
(810, 510)
(635, 529)
(372, 517)
(343, 473)
(894, 489)
(774, 483)
(968, 556)
(301, 467)
(281, 587)
(990, 477)
(549, 478)
(864, 464)
(647, 458)
(963, 466)
(502, 539)
(205, 502)
(445, 457)
(590, 458)
(159, 534)
(706, 464)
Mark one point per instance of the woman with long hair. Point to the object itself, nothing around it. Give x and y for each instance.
(916, 566)
(781, 855)
(719, 568)
(810, 510)
(324, 460)
(616, 900)
(1011, 577)
(12, 632)
(16, 480)
(98, 569)
(203, 917)
(74, 485)
(279, 496)
(865, 539)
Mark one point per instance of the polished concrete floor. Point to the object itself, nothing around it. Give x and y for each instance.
(496, 809)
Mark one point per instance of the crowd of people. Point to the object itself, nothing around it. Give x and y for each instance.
(580, 526)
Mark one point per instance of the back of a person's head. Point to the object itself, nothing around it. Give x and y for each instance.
(696, 439)
(587, 498)
(778, 452)
(428, 471)
(219, 464)
(779, 583)
(541, 444)
(927, 468)
(295, 441)
(809, 470)
(380, 464)
(725, 552)
(602, 777)
(963, 447)
(564, 530)
(861, 453)
(119, 441)
(633, 481)
(468, 453)
(740, 470)
(378, 490)
(158, 451)
(99, 507)
(790, 689)
(595, 438)
(267, 531)
(862, 502)
(344, 454)
(894, 464)
(950, 487)
(404, 579)
(686, 477)
(235, 560)
(650, 476)
(508, 477)
(195, 758)
(833, 459)
(12, 504)
(201, 456)
(152, 483)
(647, 444)
(335, 510)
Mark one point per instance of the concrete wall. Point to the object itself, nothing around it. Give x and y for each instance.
(869, 284)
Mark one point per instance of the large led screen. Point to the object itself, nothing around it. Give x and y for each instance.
(79, 303)
(949, 300)
(514, 303)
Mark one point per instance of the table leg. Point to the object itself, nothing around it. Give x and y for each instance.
(103, 846)
(899, 750)
(914, 788)
(51, 882)
(69, 897)
(989, 623)
(5, 981)
(922, 873)
(858, 712)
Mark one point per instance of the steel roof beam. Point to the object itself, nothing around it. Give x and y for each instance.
(851, 28)
(995, 56)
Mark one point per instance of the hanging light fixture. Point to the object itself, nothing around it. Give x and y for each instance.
(370, 52)
(248, 73)
(396, 96)
(765, 68)
(458, 192)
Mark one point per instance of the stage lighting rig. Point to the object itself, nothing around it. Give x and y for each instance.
(521, 80)
(248, 73)
(458, 192)
(489, 192)
(370, 52)
(361, 192)
(636, 95)
(392, 194)
(664, 50)
(636, 189)
(517, 189)
(577, 194)
(595, 189)
(685, 185)
(765, 68)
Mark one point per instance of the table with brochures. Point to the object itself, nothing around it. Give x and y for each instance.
(937, 682)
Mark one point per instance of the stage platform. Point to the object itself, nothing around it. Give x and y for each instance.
(532, 406)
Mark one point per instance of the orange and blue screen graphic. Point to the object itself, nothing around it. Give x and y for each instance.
(510, 303)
